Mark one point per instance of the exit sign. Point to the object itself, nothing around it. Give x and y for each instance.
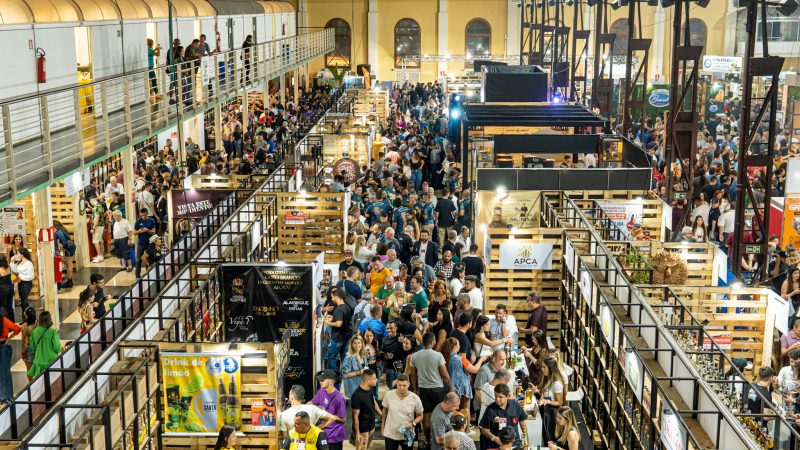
(754, 249)
(680, 195)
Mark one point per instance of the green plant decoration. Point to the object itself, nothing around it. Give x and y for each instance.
(338, 73)
(639, 266)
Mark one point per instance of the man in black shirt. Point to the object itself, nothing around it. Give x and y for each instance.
(365, 408)
(778, 270)
(460, 333)
(339, 322)
(537, 321)
(766, 376)
(504, 413)
(445, 214)
(96, 283)
(348, 263)
(473, 264)
(392, 354)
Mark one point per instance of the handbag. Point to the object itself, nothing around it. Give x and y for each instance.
(30, 350)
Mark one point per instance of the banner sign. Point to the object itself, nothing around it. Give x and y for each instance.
(607, 324)
(347, 167)
(262, 301)
(196, 203)
(519, 254)
(202, 392)
(659, 98)
(516, 209)
(263, 414)
(671, 434)
(634, 369)
(791, 223)
(722, 64)
(76, 182)
(295, 218)
(12, 221)
(626, 216)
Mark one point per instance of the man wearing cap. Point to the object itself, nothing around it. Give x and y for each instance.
(332, 401)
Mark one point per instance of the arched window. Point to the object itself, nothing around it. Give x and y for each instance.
(406, 42)
(340, 56)
(620, 28)
(478, 38)
(698, 32)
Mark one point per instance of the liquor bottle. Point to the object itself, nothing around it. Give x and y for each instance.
(233, 410)
(528, 396)
(222, 403)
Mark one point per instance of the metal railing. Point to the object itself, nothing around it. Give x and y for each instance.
(31, 405)
(46, 136)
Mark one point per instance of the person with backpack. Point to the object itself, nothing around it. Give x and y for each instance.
(351, 286)
(339, 321)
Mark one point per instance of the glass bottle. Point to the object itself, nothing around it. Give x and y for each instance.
(233, 410)
(222, 402)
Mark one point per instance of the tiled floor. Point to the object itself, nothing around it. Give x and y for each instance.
(117, 282)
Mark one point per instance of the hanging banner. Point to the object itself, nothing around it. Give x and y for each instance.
(347, 167)
(722, 64)
(569, 256)
(634, 369)
(195, 203)
(607, 324)
(12, 221)
(263, 414)
(626, 216)
(519, 254)
(671, 434)
(262, 301)
(76, 182)
(791, 223)
(586, 287)
(202, 392)
(295, 218)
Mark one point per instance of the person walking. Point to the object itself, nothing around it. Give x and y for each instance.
(122, 233)
(297, 398)
(440, 420)
(402, 411)
(67, 248)
(430, 378)
(28, 324)
(98, 225)
(504, 413)
(339, 322)
(6, 289)
(329, 399)
(46, 345)
(353, 365)
(22, 266)
(365, 409)
(8, 329)
(144, 227)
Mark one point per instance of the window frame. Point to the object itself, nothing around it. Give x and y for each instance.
(398, 62)
(332, 56)
(468, 35)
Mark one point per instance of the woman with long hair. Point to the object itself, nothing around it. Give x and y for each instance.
(353, 365)
(85, 310)
(226, 438)
(567, 436)
(790, 290)
(551, 397)
(67, 248)
(16, 244)
(410, 346)
(408, 324)
(6, 289)
(22, 266)
(443, 325)
(699, 233)
(371, 348)
(483, 342)
(29, 322)
(46, 345)
(361, 253)
(456, 282)
(440, 294)
(7, 331)
(459, 368)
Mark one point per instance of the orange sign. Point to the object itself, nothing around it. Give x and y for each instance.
(295, 218)
(791, 223)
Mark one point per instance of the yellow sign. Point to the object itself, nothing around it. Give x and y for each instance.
(791, 222)
(201, 392)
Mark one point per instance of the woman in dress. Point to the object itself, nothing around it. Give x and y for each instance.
(459, 368)
(353, 365)
(6, 289)
(22, 266)
(28, 324)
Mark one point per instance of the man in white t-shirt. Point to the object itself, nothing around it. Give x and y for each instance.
(474, 292)
(503, 325)
(487, 390)
(296, 398)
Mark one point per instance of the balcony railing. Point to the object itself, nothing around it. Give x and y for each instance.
(46, 136)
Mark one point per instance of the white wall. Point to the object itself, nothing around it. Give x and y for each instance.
(107, 61)
(134, 45)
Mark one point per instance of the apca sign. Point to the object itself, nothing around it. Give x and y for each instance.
(659, 98)
(526, 255)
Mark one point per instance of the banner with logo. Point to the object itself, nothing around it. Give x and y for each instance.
(791, 223)
(671, 433)
(634, 369)
(195, 203)
(263, 414)
(626, 216)
(519, 254)
(659, 98)
(517, 209)
(347, 167)
(12, 221)
(202, 392)
(722, 64)
(262, 301)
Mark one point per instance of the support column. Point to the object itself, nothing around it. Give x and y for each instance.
(302, 13)
(296, 85)
(245, 113)
(127, 172)
(80, 234)
(372, 35)
(442, 41)
(282, 91)
(47, 277)
(659, 41)
(307, 82)
(731, 26)
(512, 30)
(218, 127)
(266, 97)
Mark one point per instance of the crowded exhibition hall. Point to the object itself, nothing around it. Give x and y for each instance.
(400, 224)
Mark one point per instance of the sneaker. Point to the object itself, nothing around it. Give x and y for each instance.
(96, 259)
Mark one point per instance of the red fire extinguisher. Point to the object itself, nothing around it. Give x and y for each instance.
(41, 73)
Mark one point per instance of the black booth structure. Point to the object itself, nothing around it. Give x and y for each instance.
(501, 83)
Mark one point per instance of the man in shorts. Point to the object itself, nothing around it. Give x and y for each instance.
(98, 228)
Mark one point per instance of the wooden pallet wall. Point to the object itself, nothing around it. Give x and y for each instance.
(742, 315)
(511, 287)
(368, 102)
(324, 230)
(334, 146)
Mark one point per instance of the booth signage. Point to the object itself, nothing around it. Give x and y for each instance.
(347, 167)
(518, 254)
(792, 176)
(659, 98)
(569, 256)
(723, 341)
(263, 414)
(516, 209)
(722, 64)
(202, 392)
(196, 203)
(294, 218)
(791, 222)
(77, 181)
(671, 434)
(12, 221)
(586, 287)
(265, 300)
(626, 216)
(634, 368)
(607, 324)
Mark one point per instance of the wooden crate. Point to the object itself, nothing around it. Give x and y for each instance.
(323, 231)
(511, 287)
(742, 314)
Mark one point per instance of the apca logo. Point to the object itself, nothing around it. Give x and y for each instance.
(659, 98)
(525, 256)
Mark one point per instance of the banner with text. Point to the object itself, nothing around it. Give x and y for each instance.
(791, 222)
(626, 216)
(202, 392)
(262, 301)
(195, 203)
(519, 254)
